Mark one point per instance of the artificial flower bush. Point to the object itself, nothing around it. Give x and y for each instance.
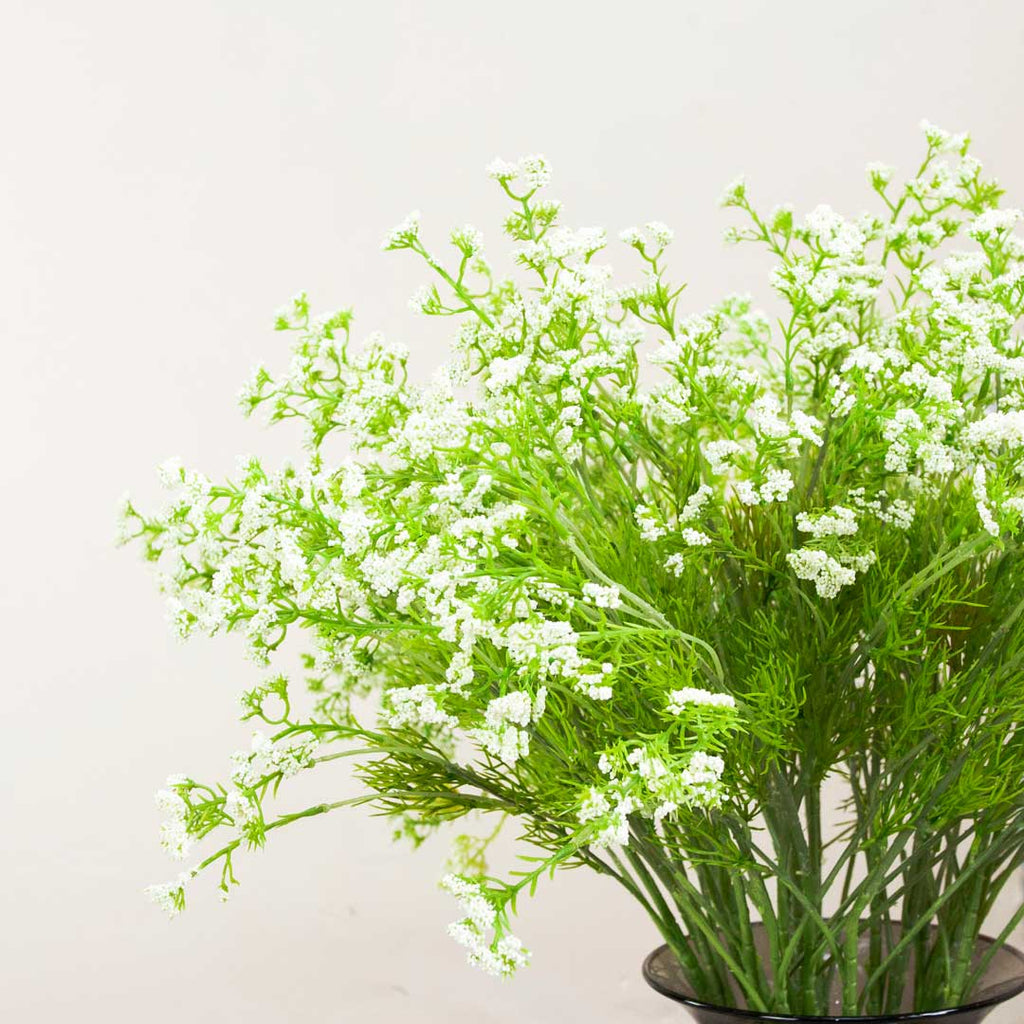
(641, 582)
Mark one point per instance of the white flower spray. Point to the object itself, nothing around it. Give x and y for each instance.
(620, 571)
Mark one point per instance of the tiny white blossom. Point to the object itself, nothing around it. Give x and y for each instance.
(695, 504)
(468, 239)
(676, 563)
(997, 428)
(940, 139)
(807, 427)
(718, 454)
(694, 538)
(651, 528)
(487, 945)
(828, 575)
(425, 300)
(838, 521)
(702, 779)
(536, 170)
(502, 170)
(994, 222)
(239, 807)
(661, 233)
(595, 805)
(982, 501)
(171, 473)
(654, 233)
(602, 596)
(746, 492)
(879, 174)
(170, 896)
(403, 235)
(734, 193)
(680, 700)
(778, 483)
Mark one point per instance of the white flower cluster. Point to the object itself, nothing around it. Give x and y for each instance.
(829, 575)
(670, 403)
(695, 503)
(981, 499)
(997, 428)
(718, 453)
(405, 234)
(505, 734)
(603, 596)
(488, 945)
(417, 706)
(170, 896)
(776, 487)
(267, 758)
(995, 222)
(651, 239)
(174, 832)
(596, 685)
(534, 171)
(654, 779)
(652, 528)
(696, 784)
(611, 810)
(838, 521)
(681, 701)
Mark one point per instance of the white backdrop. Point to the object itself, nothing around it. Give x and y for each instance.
(169, 174)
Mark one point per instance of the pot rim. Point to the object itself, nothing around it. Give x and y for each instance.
(916, 1015)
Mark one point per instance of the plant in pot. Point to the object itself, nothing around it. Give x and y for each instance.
(726, 608)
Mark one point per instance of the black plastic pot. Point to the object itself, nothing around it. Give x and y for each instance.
(1003, 979)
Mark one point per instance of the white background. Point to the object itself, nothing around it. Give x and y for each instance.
(169, 175)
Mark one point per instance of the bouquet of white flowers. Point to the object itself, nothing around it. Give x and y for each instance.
(641, 583)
